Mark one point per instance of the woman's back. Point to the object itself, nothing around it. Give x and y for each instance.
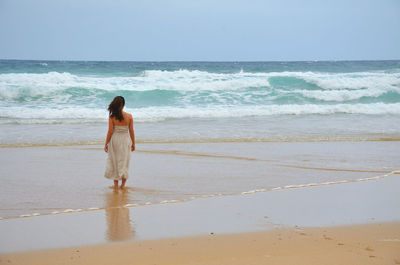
(125, 122)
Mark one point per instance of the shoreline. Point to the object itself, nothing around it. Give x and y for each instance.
(343, 139)
(356, 244)
(130, 205)
(349, 204)
(205, 141)
(183, 172)
(217, 203)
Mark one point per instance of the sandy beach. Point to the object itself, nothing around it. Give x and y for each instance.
(353, 219)
(264, 132)
(362, 244)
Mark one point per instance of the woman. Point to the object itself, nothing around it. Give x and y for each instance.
(120, 142)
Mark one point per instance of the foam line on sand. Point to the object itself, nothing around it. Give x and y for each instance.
(308, 185)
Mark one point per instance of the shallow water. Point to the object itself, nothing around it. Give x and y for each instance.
(346, 204)
(249, 129)
(44, 180)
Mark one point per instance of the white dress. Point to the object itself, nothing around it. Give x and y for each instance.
(119, 154)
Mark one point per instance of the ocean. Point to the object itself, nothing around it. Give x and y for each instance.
(65, 102)
(203, 129)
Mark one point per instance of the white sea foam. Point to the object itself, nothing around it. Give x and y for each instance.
(39, 98)
(129, 205)
(25, 215)
(16, 84)
(362, 80)
(157, 113)
(71, 114)
(78, 114)
(345, 95)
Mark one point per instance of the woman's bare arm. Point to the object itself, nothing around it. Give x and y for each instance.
(109, 133)
(132, 133)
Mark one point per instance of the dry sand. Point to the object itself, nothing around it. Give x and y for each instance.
(358, 244)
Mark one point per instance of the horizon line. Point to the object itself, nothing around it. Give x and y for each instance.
(202, 61)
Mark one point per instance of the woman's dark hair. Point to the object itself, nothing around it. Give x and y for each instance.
(115, 107)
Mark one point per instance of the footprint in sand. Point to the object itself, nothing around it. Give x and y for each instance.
(327, 237)
(340, 244)
(369, 249)
(372, 256)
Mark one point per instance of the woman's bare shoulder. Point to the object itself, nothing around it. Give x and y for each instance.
(129, 115)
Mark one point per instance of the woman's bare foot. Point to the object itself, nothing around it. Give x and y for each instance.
(115, 184)
(123, 183)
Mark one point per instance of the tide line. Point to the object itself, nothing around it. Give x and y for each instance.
(245, 193)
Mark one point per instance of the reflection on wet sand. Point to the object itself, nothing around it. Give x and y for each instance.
(118, 221)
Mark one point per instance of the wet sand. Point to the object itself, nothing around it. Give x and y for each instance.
(362, 244)
(50, 179)
(354, 203)
(346, 214)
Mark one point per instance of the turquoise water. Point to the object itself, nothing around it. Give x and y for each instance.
(200, 100)
(245, 112)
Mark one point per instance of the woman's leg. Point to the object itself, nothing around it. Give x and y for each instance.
(115, 184)
(123, 183)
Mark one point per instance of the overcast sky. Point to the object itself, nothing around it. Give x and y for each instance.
(205, 30)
